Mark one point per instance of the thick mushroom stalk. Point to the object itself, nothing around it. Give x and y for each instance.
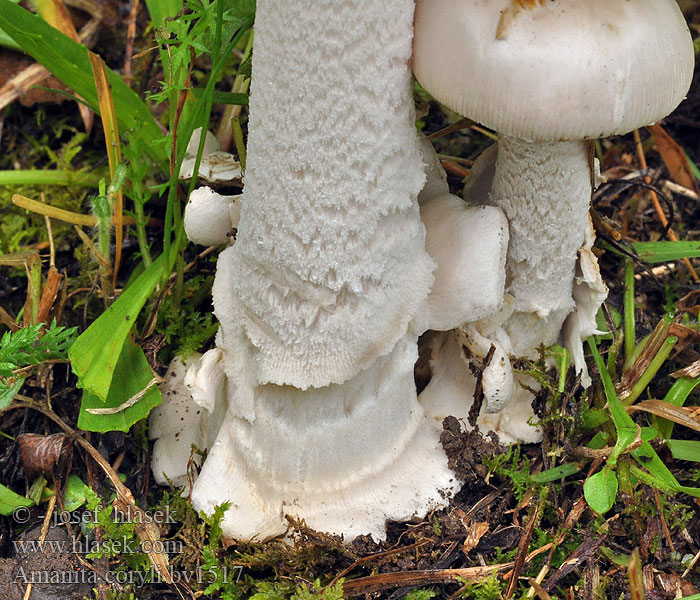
(545, 191)
(326, 289)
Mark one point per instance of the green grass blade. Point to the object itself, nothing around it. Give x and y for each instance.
(69, 61)
(685, 449)
(693, 168)
(649, 373)
(221, 97)
(162, 9)
(629, 325)
(49, 177)
(6, 40)
(677, 395)
(556, 473)
(617, 411)
(656, 252)
(95, 354)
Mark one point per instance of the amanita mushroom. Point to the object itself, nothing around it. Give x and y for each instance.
(326, 289)
(323, 295)
(548, 76)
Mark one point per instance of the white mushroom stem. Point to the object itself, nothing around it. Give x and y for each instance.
(320, 298)
(345, 458)
(329, 266)
(545, 191)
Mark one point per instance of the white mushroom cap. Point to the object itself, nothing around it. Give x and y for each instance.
(215, 166)
(469, 245)
(210, 217)
(568, 69)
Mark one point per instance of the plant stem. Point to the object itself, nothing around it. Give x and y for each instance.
(49, 177)
(651, 370)
(629, 324)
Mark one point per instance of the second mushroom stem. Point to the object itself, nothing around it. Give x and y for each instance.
(545, 191)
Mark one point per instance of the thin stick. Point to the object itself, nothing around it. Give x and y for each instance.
(130, 37)
(42, 537)
(67, 216)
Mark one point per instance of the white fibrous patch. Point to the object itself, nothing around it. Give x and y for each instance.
(176, 424)
(329, 264)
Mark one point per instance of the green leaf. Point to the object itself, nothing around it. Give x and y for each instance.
(556, 473)
(37, 489)
(28, 346)
(74, 494)
(266, 590)
(161, 9)
(6, 40)
(656, 252)
(69, 61)
(8, 392)
(94, 355)
(676, 395)
(684, 449)
(600, 490)
(9, 501)
(622, 560)
(131, 375)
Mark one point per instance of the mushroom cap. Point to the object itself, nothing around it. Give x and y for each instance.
(559, 70)
(209, 217)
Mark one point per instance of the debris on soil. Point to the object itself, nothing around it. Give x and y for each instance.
(466, 450)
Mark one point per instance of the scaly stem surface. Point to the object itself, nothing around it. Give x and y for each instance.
(545, 191)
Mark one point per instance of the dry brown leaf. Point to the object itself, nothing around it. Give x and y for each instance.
(48, 295)
(678, 414)
(636, 580)
(41, 452)
(539, 590)
(474, 534)
(692, 370)
(674, 158)
(674, 584)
